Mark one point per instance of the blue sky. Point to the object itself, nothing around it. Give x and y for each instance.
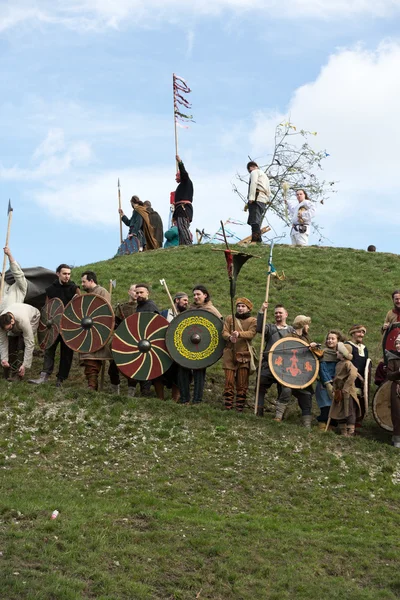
(87, 99)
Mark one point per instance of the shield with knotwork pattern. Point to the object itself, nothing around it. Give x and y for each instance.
(194, 339)
(292, 363)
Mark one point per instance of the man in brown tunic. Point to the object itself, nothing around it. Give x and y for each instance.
(237, 353)
(92, 361)
(393, 316)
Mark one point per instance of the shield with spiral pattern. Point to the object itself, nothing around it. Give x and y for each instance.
(50, 323)
(87, 323)
(139, 348)
(194, 339)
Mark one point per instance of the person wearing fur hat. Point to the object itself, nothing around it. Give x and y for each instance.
(346, 404)
(393, 375)
(237, 353)
(360, 357)
(301, 326)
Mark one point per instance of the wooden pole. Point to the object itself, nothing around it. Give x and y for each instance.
(175, 125)
(263, 329)
(3, 273)
(120, 219)
(164, 284)
(232, 305)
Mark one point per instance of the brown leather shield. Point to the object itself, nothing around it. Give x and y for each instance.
(50, 323)
(292, 363)
(381, 406)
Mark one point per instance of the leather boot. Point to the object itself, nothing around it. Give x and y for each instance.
(396, 441)
(350, 430)
(343, 429)
(43, 377)
(307, 419)
(280, 408)
(131, 392)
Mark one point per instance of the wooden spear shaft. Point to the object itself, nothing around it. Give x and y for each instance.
(120, 219)
(263, 329)
(175, 125)
(164, 284)
(3, 273)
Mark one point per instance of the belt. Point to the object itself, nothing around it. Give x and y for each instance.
(183, 202)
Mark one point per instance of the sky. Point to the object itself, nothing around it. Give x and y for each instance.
(87, 100)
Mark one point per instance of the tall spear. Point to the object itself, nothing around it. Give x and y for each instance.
(270, 270)
(119, 205)
(3, 273)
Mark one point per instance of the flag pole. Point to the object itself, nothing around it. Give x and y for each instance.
(119, 206)
(3, 273)
(175, 125)
(263, 328)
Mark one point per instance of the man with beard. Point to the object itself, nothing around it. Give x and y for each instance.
(181, 301)
(183, 213)
(64, 289)
(273, 333)
(92, 361)
(237, 353)
(393, 316)
(359, 360)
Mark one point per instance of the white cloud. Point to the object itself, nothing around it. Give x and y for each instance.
(353, 105)
(52, 158)
(100, 14)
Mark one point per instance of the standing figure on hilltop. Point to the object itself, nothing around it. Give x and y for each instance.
(139, 225)
(301, 214)
(237, 353)
(346, 405)
(156, 223)
(183, 213)
(257, 198)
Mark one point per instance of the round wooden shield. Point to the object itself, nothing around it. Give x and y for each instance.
(389, 336)
(367, 383)
(292, 363)
(87, 323)
(381, 406)
(194, 339)
(50, 323)
(139, 348)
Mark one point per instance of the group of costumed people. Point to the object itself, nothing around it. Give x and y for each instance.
(145, 224)
(339, 392)
(146, 228)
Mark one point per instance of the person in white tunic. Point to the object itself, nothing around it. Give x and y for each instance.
(301, 214)
(18, 325)
(257, 198)
(14, 292)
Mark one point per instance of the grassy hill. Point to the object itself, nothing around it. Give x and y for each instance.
(168, 502)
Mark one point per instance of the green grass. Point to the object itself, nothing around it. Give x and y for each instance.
(161, 501)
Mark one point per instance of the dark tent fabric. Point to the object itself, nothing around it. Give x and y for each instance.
(38, 280)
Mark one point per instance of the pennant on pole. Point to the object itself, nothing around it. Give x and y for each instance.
(181, 87)
(234, 262)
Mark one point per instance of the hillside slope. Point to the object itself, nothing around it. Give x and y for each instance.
(160, 501)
